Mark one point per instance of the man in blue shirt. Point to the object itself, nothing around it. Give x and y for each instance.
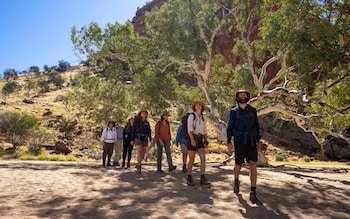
(243, 125)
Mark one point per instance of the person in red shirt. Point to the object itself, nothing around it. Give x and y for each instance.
(163, 136)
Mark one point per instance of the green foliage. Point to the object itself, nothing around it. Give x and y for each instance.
(55, 78)
(44, 85)
(101, 100)
(10, 73)
(34, 68)
(63, 65)
(14, 127)
(66, 126)
(280, 156)
(9, 88)
(306, 158)
(29, 86)
(37, 138)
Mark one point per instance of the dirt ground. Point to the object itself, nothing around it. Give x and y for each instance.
(33, 189)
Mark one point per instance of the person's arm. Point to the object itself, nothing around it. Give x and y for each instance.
(230, 126)
(178, 133)
(103, 135)
(190, 129)
(132, 131)
(149, 131)
(256, 121)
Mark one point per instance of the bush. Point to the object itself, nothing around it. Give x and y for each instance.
(9, 88)
(10, 73)
(306, 158)
(67, 126)
(15, 127)
(280, 156)
(34, 149)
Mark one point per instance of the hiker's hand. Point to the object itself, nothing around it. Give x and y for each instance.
(126, 136)
(132, 142)
(193, 142)
(230, 148)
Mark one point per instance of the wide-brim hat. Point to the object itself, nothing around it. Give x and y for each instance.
(194, 103)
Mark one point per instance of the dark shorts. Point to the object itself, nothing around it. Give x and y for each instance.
(245, 151)
(143, 143)
(199, 143)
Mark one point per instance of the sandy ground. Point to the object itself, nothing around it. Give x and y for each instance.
(33, 189)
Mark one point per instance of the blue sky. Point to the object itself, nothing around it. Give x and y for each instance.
(37, 32)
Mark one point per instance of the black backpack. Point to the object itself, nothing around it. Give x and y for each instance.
(184, 130)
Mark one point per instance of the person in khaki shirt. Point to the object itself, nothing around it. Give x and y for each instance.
(163, 136)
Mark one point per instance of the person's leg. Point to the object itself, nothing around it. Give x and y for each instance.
(140, 154)
(159, 157)
(109, 153)
(104, 154)
(191, 154)
(119, 149)
(115, 160)
(239, 159)
(253, 173)
(168, 156)
(184, 157)
(125, 151)
(130, 147)
(201, 153)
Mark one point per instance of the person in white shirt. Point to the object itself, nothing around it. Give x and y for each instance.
(197, 131)
(109, 139)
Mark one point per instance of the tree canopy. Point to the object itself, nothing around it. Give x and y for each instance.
(308, 41)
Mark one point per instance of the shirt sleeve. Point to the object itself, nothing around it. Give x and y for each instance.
(190, 123)
(230, 126)
(133, 130)
(156, 130)
(257, 125)
(149, 131)
(103, 135)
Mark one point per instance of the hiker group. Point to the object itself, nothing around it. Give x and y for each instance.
(192, 137)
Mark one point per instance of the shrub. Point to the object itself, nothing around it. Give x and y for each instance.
(280, 156)
(306, 158)
(10, 73)
(67, 126)
(9, 88)
(34, 149)
(15, 127)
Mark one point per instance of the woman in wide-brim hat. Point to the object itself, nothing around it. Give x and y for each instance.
(194, 103)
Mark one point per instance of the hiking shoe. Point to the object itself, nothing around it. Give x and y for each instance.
(184, 169)
(236, 187)
(204, 180)
(123, 164)
(254, 199)
(171, 168)
(138, 168)
(128, 165)
(190, 181)
(160, 171)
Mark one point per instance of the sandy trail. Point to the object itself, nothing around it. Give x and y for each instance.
(34, 189)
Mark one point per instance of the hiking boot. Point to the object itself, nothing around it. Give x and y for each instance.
(236, 186)
(171, 168)
(128, 165)
(184, 169)
(123, 164)
(204, 180)
(254, 199)
(190, 181)
(109, 165)
(160, 171)
(138, 168)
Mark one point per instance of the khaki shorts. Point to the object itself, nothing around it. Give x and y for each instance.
(183, 148)
(142, 143)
